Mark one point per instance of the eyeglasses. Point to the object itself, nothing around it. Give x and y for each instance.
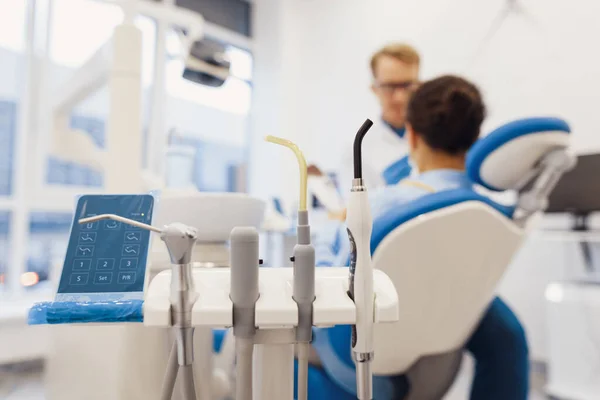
(391, 87)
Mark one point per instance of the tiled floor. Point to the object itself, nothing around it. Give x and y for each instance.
(24, 382)
(21, 382)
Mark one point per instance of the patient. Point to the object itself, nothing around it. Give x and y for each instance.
(444, 119)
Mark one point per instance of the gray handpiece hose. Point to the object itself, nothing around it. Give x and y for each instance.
(304, 296)
(304, 278)
(244, 294)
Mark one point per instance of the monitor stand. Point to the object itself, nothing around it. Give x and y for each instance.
(581, 224)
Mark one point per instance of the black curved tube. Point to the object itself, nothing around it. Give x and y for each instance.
(358, 147)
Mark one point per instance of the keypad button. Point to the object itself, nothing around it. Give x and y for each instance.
(131, 250)
(90, 226)
(105, 264)
(103, 278)
(133, 237)
(84, 251)
(87, 237)
(112, 225)
(79, 279)
(128, 263)
(82, 264)
(126, 278)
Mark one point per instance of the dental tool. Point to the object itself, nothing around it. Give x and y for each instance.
(304, 273)
(179, 239)
(244, 294)
(360, 225)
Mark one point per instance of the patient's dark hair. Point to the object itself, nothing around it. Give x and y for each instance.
(447, 113)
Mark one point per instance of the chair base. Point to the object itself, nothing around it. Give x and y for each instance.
(431, 377)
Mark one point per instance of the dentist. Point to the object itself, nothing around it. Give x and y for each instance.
(395, 70)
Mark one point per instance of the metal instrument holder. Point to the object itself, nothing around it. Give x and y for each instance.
(179, 239)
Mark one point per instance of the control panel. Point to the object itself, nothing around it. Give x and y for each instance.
(106, 259)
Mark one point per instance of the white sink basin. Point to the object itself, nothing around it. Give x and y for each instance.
(213, 214)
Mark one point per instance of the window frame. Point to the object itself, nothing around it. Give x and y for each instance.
(19, 203)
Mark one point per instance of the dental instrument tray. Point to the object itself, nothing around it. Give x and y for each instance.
(104, 270)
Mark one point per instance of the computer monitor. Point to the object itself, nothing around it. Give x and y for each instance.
(578, 191)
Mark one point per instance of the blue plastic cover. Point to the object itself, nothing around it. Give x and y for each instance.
(69, 312)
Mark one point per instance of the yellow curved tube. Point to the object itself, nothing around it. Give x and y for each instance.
(301, 163)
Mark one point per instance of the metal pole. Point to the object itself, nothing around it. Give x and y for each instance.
(42, 119)
(170, 374)
(19, 224)
(157, 130)
(123, 173)
(273, 371)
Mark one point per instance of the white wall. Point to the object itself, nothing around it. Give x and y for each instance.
(10, 65)
(312, 79)
(538, 65)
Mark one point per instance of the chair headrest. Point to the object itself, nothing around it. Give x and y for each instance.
(499, 160)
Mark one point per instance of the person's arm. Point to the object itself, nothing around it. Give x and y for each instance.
(346, 174)
(313, 170)
(332, 245)
(338, 216)
(326, 243)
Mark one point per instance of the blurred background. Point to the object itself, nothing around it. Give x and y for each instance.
(295, 68)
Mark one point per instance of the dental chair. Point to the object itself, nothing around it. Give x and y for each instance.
(446, 253)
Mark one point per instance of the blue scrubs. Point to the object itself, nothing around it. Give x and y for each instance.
(498, 345)
(400, 169)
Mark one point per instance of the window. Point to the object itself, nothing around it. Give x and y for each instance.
(73, 41)
(4, 246)
(66, 173)
(218, 164)
(79, 28)
(8, 117)
(12, 46)
(215, 166)
(12, 22)
(235, 94)
(48, 239)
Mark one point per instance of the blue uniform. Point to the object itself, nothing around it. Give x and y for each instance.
(498, 344)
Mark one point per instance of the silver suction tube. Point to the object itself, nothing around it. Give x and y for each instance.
(179, 239)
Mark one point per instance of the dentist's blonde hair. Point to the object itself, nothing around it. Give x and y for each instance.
(400, 51)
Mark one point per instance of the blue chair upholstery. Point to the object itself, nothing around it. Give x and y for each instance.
(503, 135)
(333, 344)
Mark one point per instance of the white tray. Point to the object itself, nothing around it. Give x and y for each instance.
(275, 307)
